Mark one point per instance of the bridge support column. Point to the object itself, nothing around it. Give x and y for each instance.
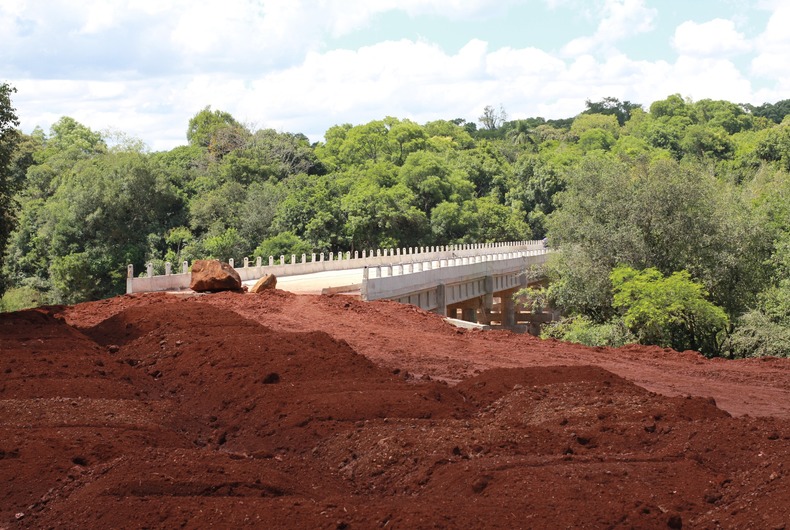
(488, 298)
(468, 309)
(486, 302)
(441, 299)
(508, 310)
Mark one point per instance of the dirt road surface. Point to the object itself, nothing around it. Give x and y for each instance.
(293, 411)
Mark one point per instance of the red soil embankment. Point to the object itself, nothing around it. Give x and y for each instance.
(285, 411)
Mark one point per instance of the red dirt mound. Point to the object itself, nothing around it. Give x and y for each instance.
(283, 411)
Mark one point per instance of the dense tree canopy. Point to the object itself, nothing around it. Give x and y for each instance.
(9, 138)
(692, 196)
(609, 106)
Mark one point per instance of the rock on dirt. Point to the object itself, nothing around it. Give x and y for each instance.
(268, 282)
(214, 276)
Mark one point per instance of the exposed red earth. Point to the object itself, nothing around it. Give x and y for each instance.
(274, 410)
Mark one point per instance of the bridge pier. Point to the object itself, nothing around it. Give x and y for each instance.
(484, 310)
(469, 310)
(498, 309)
(508, 311)
(441, 300)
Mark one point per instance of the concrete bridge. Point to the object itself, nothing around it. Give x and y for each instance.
(471, 283)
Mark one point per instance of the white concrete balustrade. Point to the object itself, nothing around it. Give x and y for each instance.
(429, 264)
(379, 264)
(434, 285)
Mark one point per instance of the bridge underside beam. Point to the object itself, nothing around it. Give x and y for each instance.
(480, 292)
(483, 303)
(499, 309)
(468, 310)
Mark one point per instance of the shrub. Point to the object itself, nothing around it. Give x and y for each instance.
(583, 330)
(668, 311)
(20, 298)
(757, 335)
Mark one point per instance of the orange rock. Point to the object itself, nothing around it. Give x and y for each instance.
(213, 275)
(269, 281)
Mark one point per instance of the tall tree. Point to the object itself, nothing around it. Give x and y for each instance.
(612, 106)
(522, 133)
(492, 118)
(207, 124)
(9, 137)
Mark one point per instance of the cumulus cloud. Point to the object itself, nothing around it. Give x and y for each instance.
(147, 66)
(342, 11)
(623, 18)
(773, 48)
(717, 38)
(100, 38)
(411, 79)
(101, 16)
(698, 78)
(523, 64)
(95, 36)
(620, 19)
(407, 79)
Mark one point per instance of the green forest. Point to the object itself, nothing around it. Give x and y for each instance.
(670, 223)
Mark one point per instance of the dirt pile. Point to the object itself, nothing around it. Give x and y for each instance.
(283, 411)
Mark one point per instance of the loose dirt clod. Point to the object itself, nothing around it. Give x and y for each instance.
(275, 410)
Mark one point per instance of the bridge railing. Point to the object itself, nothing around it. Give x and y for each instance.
(393, 281)
(320, 262)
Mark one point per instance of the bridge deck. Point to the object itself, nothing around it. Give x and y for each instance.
(459, 277)
(320, 282)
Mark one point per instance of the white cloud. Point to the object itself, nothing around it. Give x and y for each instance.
(341, 12)
(141, 108)
(773, 47)
(406, 79)
(185, 35)
(148, 66)
(81, 36)
(520, 64)
(100, 17)
(715, 38)
(621, 19)
(698, 78)
(409, 79)
(13, 7)
(624, 18)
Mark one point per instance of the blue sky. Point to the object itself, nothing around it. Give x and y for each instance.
(145, 67)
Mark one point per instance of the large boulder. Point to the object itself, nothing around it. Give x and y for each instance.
(268, 282)
(213, 275)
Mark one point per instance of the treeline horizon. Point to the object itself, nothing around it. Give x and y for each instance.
(681, 187)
